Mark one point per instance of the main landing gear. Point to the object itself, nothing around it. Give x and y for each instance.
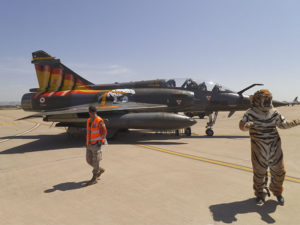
(212, 120)
(187, 132)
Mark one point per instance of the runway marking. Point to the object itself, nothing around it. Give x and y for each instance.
(25, 132)
(230, 165)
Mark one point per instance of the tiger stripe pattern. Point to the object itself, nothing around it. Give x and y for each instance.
(262, 121)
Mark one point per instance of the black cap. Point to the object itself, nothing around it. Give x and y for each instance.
(92, 109)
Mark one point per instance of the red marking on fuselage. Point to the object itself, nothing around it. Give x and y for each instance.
(178, 101)
(62, 93)
(86, 91)
(48, 94)
(37, 95)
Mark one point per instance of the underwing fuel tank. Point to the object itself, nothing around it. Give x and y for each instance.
(151, 120)
(156, 121)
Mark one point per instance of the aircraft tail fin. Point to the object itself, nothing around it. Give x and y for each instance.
(295, 102)
(54, 76)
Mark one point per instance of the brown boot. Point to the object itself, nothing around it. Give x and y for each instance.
(259, 200)
(102, 170)
(92, 181)
(280, 199)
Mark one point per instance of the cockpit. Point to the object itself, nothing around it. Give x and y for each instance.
(193, 85)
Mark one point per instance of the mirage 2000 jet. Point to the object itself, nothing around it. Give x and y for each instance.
(64, 97)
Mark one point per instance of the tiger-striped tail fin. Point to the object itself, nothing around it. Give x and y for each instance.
(54, 76)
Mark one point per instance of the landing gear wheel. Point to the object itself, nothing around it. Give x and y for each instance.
(210, 124)
(201, 115)
(209, 132)
(188, 131)
(177, 132)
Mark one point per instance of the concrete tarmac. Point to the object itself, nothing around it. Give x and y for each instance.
(150, 178)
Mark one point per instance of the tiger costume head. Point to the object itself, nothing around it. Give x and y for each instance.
(262, 100)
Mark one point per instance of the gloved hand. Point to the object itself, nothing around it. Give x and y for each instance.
(105, 142)
(249, 125)
(297, 121)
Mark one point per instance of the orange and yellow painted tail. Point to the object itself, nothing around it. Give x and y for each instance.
(54, 76)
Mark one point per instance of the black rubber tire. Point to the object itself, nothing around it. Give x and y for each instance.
(209, 132)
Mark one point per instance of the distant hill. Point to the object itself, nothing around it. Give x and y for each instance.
(10, 103)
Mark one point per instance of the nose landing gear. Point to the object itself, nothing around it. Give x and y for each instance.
(209, 131)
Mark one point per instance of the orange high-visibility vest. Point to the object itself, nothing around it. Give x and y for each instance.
(95, 131)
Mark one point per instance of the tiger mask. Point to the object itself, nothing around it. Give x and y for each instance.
(262, 100)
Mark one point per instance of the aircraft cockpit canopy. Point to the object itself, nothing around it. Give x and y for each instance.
(192, 85)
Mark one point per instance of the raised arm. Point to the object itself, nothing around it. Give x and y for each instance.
(282, 123)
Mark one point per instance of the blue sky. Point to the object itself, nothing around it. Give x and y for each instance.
(232, 42)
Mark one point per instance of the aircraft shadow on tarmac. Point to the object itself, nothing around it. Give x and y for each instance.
(62, 141)
(140, 137)
(44, 143)
(227, 212)
(221, 136)
(67, 186)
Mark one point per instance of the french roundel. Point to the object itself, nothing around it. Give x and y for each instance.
(42, 100)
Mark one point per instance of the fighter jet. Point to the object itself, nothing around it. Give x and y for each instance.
(209, 98)
(64, 97)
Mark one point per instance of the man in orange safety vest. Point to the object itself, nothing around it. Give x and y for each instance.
(95, 138)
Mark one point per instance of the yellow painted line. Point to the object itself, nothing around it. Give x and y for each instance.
(220, 163)
(290, 135)
(25, 132)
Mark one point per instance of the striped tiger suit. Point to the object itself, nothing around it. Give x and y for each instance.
(266, 151)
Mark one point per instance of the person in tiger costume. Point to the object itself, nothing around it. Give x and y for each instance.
(261, 120)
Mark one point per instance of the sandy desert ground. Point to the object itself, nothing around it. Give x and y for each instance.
(150, 178)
